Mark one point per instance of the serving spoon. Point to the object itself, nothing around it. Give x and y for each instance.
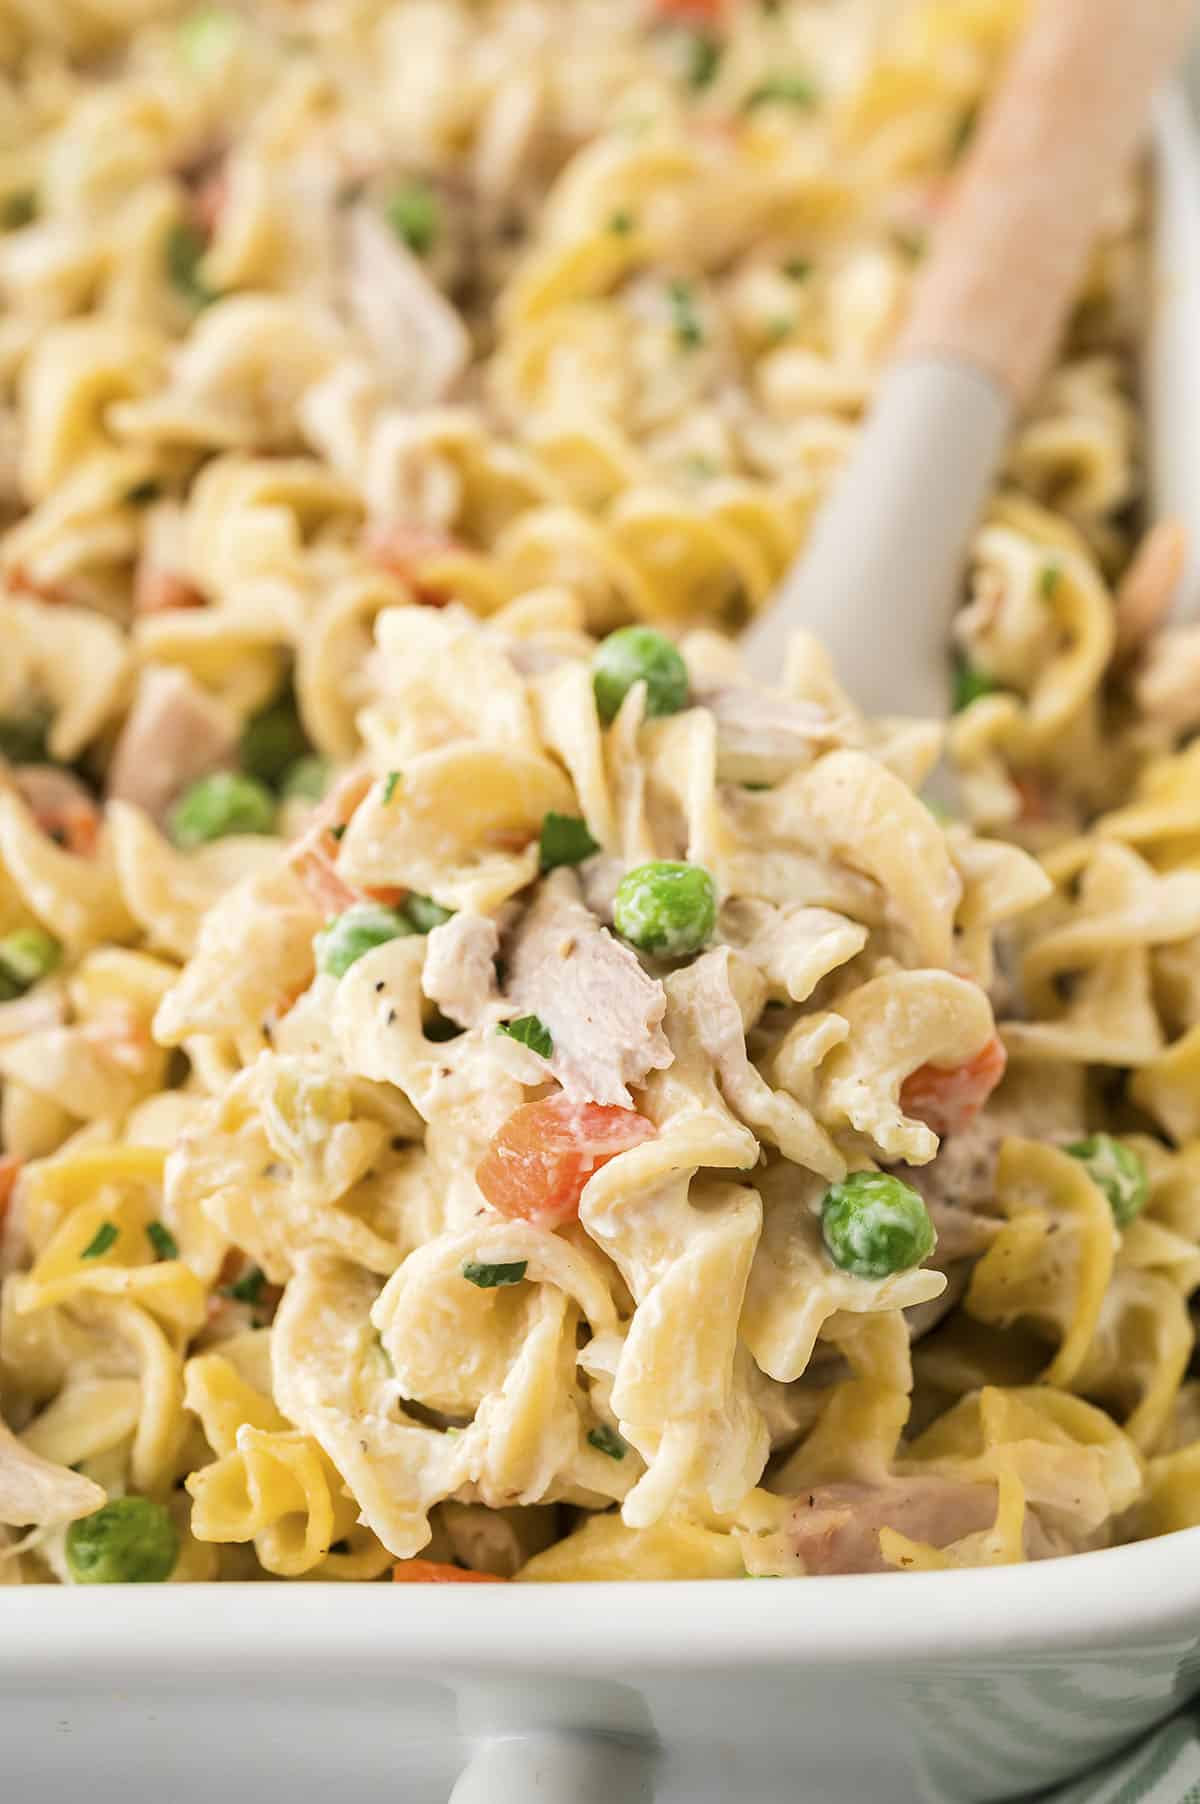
(879, 579)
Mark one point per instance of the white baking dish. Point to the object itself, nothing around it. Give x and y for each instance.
(876, 1690)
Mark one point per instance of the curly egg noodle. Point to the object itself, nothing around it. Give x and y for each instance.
(396, 1176)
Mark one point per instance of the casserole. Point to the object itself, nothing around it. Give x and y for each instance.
(955, 1686)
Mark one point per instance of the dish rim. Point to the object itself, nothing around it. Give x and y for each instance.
(1147, 1592)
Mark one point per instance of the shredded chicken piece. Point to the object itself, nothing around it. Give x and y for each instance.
(460, 968)
(959, 1187)
(416, 334)
(1167, 687)
(763, 736)
(34, 1493)
(600, 1008)
(1148, 586)
(835, 1527)
(175, 733)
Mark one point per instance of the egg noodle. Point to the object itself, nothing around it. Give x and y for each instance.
(477, 1095)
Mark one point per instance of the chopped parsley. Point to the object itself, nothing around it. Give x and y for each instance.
(798, 269)
(184, 251)
(621, 223)
(782, 90)
(964, 130)
(910, 244)
(338, 832)
(494, 1277)
(249, 1287)
(606, 1440)
(1048, 581)
(565, 840)
(104, 1238)
(162, 1240)
(688, 330)
(969, 684)
(415, 216)
(703, 59)
(531, 1032)
(390, 786)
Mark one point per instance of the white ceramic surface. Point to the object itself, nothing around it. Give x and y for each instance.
(924, 1689)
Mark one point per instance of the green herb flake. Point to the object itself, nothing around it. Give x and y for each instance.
(964, 130)
(527, 1030)
(798, 269)
(494, 1277)
(780, 329)
(688, 330)
(969, 683)
(565, 840)
(184, 251)
(338, 832)
(910, 244)
(415, 216)
(606, 1440)
(162, 1240)
(703, 59)
(249, 1287)
(23, 736)
(104, 1238)
(1048, 581)
(782, 90)
(622, 224)
(18, 209)
(391, 785)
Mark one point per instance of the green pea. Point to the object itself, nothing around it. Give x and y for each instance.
(355, 932)
(1118, 1171)
(218, 805)
(130, 1541)
(273, 740)
(27, 954)
(637, 654)
(306, 780)
(415, 216)
(874, 1225)
(669, 909)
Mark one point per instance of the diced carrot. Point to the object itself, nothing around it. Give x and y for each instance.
(435, 1572)
(1037, 803)
(402, 550)
(699, 12)
(947, 1099)
(159, 591)
(541, 1158)
(10, 1169)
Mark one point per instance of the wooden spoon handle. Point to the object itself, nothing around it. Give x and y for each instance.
(1015, 239)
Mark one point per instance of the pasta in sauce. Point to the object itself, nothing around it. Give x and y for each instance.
(484, 1091)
